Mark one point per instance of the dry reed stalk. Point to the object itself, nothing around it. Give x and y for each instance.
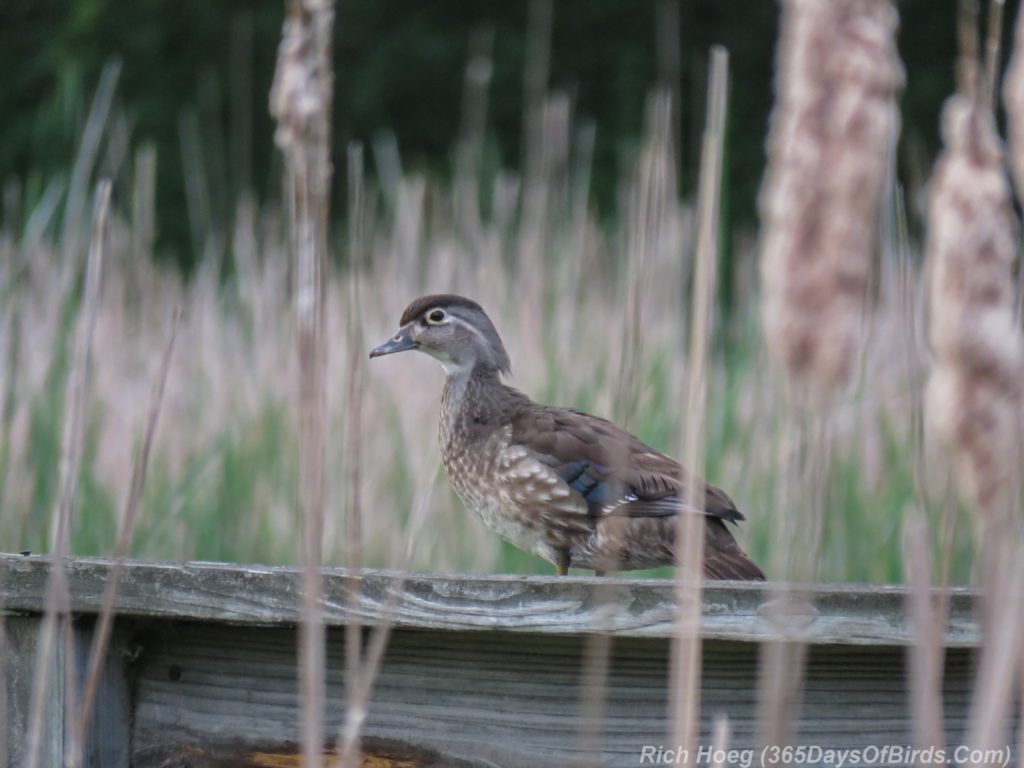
(597, 647)
(348, 741)
(651, 195)
(70, 466)
(143, 208)
(908, 290)
(203, 220)
(807, 450)
(354, 387)
(834, 120)
(1013, 100)
(721, 734)
(593, 688)
(668, 57)
(535, 86)
(927, 617)
(992, 700)
(12, 277)
(686, 646)
(85, 160)
(300, 101)
(570, 279)
(948, 527)
(992, 44)
(800, 497)
(597, 650)
(240, 91)
(926, 610)
(967, 24)
(533, 222)
(542, 206)
(126, 527)
(472, 133)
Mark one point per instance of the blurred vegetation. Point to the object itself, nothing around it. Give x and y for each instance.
(193, 65)
(193, 82)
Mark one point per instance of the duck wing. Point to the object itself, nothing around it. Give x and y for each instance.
(611, 470)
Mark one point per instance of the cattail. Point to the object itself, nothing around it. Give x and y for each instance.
(834, 120)
(975, 388)
(300, 101)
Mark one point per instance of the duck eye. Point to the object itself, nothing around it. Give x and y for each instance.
(435, 316)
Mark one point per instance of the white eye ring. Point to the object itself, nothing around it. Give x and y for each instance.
(436, 316)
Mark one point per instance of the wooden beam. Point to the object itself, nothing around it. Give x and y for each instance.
(253, 594)
(480, 671)
(106, 740)
(214, 695)
(21, 634)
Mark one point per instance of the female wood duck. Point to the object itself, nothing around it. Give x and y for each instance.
(569, 487)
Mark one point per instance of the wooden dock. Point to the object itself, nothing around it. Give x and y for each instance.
(480, 670)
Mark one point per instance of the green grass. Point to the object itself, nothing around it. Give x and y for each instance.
(225, 505)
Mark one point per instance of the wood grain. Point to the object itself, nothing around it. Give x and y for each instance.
(106, 740)
(262, 595)
(19, 655)
(499, 698)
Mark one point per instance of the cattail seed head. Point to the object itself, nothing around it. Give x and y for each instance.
(975, 390)
(834, 120)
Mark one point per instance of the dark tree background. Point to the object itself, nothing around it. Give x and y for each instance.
(399, 66)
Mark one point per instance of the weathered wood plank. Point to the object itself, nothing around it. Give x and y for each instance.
(106, 740)
(108, 736)
(251, 594)
(21, 636)
(481, 670)
(497, 698)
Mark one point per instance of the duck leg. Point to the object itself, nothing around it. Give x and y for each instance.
(562, 565)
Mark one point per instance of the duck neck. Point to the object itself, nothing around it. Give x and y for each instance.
(466, 397)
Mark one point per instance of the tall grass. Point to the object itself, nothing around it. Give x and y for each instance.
(224, 473)
(57, 616)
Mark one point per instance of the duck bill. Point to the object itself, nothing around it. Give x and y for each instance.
(400, 342)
